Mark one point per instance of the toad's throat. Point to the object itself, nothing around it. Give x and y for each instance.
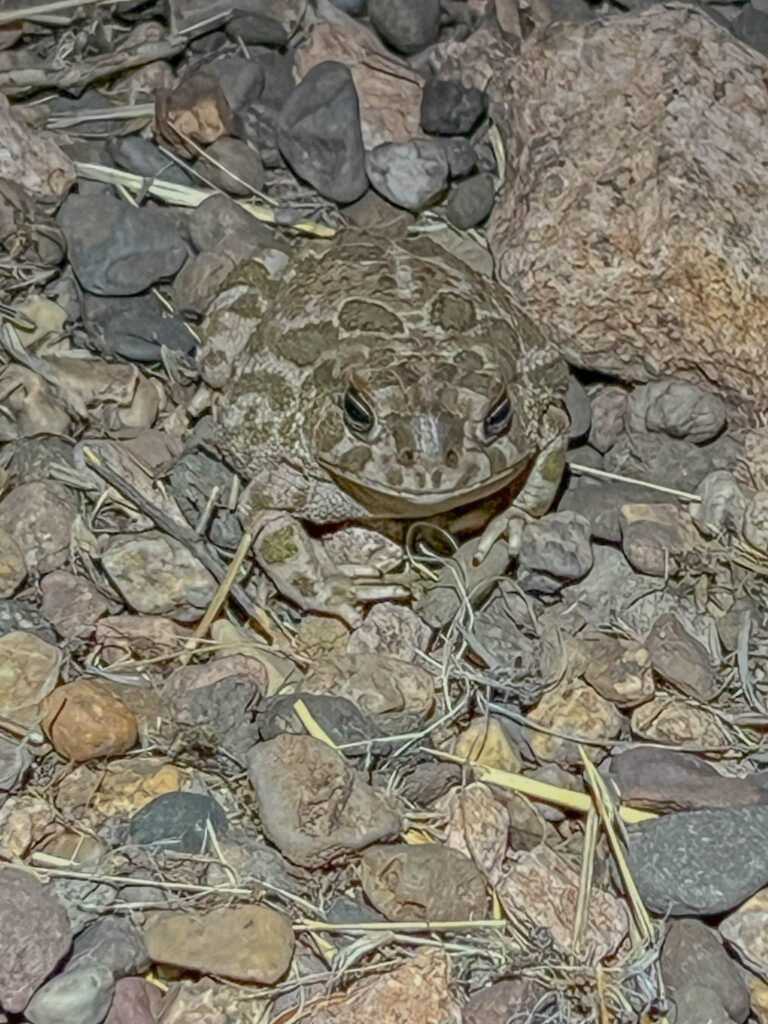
(405, 503)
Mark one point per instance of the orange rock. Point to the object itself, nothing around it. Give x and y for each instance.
(84, 720)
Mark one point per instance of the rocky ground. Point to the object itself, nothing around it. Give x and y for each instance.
(530, 795)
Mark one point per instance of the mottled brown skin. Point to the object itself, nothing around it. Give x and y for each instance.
(430, 349)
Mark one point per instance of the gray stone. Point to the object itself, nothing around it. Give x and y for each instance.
(698, 1004)
(241, 172)
(157, 575)
(579, 409)
(412, 174)
(751, 27)
(112, 942)
(681, 659)
(676, 408)
(36, 935)
(82, 995)
(608, 410)
(119, 249)
(554, 550)
(318, 132)
(134, 327)
(257, 30)
(699, 863)
(405, 25)
(217, 218)
(694, 955)
(178, 821)
(722, 507)
(470, 201)
(450, 108)
(143, 157)
(462, 158)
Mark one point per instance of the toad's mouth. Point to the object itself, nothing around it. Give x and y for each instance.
(405, 502)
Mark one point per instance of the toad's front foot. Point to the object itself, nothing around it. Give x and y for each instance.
(302, 571)
(509, 524)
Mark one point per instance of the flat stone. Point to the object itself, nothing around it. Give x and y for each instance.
(113, 942)
(506, 999)
(28, 671)
(72, 604)
(131, 1003)
(423, 882)
(13, 568)
(672, 780)
(158, 576)
(699, 863)
(347, 813)
(681, 659)
(745, 931)
(248, 943)
(555, 550)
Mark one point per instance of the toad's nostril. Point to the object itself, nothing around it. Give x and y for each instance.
(452, 458)
(406, 457)
(437, 477)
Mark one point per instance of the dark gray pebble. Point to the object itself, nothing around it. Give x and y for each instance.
(177, 821)
(405, 25)
(699, 863)
(450, 108)
(470, 202)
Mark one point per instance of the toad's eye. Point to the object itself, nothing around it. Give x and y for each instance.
(358, 415)
(498, 419)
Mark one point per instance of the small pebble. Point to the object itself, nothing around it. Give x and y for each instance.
(406, 26)
(84, 719)
(81, 995)
(470, 202)
(233, 166)
(178, 821)
(449, 108)
(413, 174)
(554, 550)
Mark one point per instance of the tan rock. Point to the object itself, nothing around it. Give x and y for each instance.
(119, 789)
(758, 999)
(391, 629)
(321, 635)
(28, 671)
(24, 820)
(670, 719)
(487, 741)
(84, 720)
(652, 536)
(619, 670)
(574, 708)
(423, 883)
(248, 943)
(417, 991)
(681, 659)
